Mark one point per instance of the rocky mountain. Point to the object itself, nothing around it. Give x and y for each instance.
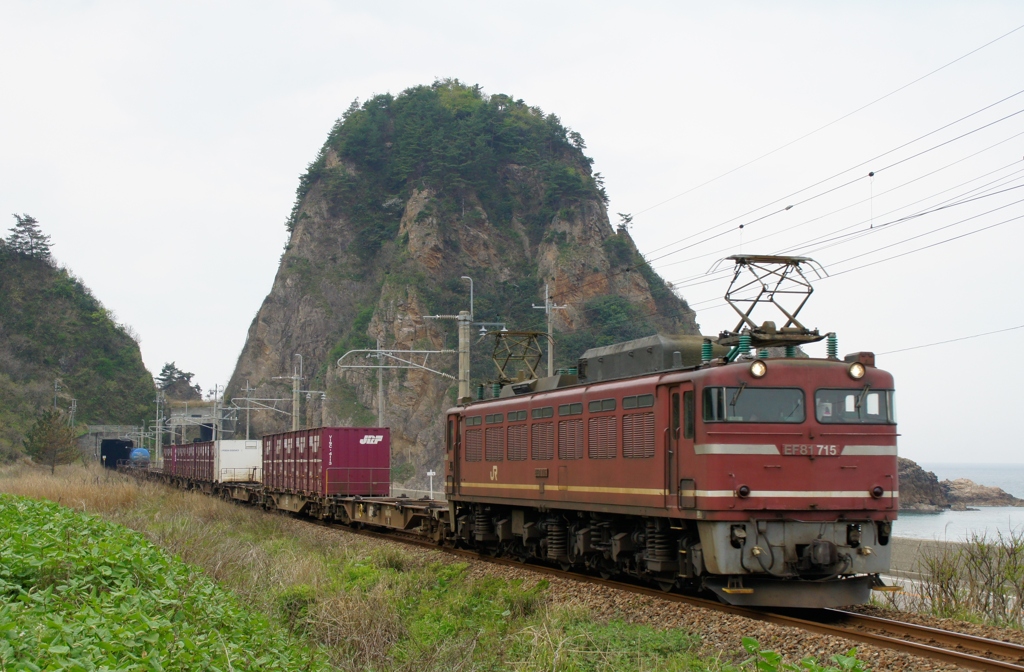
(921, 490)
(53, 330)
(409, 194)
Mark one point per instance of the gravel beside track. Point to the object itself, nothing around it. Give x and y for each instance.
(720, 634)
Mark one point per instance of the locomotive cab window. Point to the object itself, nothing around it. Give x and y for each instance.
(859, 407)
(754, 404)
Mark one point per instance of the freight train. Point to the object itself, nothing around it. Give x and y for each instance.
(769, 481)
(763, 476)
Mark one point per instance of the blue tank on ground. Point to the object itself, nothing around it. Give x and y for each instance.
(139, 457)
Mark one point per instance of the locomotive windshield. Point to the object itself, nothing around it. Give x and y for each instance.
(861, 407)
(754, 404)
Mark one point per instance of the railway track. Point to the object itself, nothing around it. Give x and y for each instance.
(966, 651)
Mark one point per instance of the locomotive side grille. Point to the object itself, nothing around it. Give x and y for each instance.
(601, 437)
(495, 444)
(474, 445)
(638, 435)
(517, 442)
(570, 439)
(542, 441)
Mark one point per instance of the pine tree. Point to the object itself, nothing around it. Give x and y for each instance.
(51, 441)
(168, 375)
(28, 239)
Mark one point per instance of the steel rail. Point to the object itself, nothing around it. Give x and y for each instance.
(967, 651)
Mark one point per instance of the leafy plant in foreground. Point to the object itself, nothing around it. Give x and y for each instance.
(771, 661)
(80, 593)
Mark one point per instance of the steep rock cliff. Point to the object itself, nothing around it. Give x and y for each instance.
(409, 194)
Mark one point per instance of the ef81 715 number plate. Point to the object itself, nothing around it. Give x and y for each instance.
(812, 449)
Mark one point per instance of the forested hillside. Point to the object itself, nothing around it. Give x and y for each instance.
(52, 329)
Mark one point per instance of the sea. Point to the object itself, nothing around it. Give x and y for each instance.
(990, 521)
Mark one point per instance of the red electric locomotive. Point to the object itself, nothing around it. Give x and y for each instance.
(770, 480)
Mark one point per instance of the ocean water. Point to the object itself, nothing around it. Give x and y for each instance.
(989, 521)
(959, 525)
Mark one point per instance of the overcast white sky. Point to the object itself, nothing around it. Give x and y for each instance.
(160, 145)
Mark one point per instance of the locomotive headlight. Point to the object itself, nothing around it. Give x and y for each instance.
(759, 368)
(856, 370)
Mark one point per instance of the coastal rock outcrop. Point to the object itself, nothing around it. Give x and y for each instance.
(921, 490)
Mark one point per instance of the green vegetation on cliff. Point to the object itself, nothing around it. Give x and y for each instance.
(455, 141)
(53, 329)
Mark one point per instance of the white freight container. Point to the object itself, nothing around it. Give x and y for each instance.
(238, 461)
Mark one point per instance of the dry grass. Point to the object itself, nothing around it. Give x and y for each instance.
(979, 580)
(91, 488)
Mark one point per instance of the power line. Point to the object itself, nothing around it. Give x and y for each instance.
(952, 340)
(831, 123)
(682, 281)
(845, 184)
(859, 165)
(561, 295)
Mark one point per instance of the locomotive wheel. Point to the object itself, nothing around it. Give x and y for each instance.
(667, 586)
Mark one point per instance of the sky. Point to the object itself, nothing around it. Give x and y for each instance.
(160, 145)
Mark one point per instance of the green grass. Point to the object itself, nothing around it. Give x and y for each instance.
(81, 593)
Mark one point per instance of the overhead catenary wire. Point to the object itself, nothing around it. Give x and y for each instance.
(951, 340)
(562, 295)
(857, 166)
(719, 303)
(862, 201)
(702, 278)
(831, 123)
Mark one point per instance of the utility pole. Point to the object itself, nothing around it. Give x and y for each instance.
(158, 438)
(549, 309)
(296, 380)
(430, 475)
(380, 392)
(465, 321)
(216, 419)
(248, 390)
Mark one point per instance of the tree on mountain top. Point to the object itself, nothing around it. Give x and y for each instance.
(177, 383)
(28, 239)
(51, 440)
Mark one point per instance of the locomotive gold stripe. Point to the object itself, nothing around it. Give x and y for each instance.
(572, 488)
(815, 494)
(771, 449)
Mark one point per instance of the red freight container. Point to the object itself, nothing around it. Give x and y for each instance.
(329, 461)
(191, 460)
